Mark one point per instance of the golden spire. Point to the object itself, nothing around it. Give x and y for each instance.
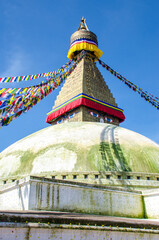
(83, 25)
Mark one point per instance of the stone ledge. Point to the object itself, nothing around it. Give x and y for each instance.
(64, 182)
(103, 178)
(49, 219)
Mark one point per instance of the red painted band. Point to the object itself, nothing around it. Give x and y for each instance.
(88, 103)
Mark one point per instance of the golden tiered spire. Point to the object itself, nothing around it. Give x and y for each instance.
(85, 95)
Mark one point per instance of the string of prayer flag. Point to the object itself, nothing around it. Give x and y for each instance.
(23, 100)
(34, 76)
(144, 94)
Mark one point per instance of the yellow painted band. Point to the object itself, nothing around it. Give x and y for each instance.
(84, 46)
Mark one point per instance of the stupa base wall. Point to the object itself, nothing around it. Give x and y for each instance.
(37, 193)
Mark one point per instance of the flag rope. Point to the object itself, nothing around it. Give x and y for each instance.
(144, 94)
(34, 76)
(23, 103)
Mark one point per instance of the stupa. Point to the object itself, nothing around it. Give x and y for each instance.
(53, 181)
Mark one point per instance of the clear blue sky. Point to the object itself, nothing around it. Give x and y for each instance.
(35, 37)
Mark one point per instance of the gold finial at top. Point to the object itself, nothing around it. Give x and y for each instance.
(83, 39)
(83, 25)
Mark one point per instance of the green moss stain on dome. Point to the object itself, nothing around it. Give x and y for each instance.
(113, 158)
(24, 166)
(142, 160)
(26, 161)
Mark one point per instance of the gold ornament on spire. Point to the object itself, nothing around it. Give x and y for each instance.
(83, 39)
